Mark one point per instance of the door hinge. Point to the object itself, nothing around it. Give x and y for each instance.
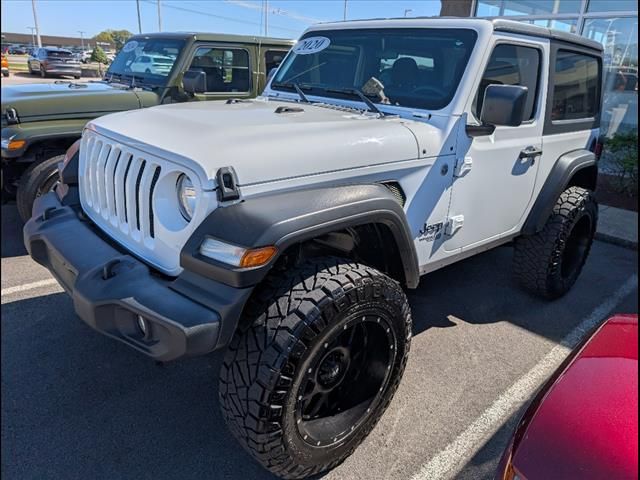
(463, 165)
(453, 224)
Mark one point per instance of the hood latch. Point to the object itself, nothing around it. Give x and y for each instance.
(284, 109)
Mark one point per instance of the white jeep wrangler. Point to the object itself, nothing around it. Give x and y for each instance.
(285, 228)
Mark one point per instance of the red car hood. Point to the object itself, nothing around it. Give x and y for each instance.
(586, 425)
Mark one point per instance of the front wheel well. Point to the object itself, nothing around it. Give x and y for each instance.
(371, 244)
(46, 148)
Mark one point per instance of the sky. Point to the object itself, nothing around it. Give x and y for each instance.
(287, 18)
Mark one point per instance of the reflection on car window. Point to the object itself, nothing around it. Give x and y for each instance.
(575, 90)
(273, 59)
(419, 68)
(226, 70)
(512, 65)
(150, 59)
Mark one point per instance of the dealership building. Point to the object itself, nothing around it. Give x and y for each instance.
(613, 23)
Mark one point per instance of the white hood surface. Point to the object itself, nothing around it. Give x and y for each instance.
(260, 144)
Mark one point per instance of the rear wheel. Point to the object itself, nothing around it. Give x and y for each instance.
(38, 179)
(314, 364)
(549, 262)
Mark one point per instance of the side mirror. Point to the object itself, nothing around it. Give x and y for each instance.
(270, 75)
(503, 105)
(194, 81)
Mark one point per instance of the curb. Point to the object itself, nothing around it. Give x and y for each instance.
(621, 242)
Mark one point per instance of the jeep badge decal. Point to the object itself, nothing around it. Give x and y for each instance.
(310, 45)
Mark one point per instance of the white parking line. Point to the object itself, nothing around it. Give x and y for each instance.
(27, 286)
(447, 462)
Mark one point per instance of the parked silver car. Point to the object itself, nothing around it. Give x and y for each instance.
(54, 61)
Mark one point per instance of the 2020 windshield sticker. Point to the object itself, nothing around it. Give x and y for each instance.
(310, 45)
(130, 46)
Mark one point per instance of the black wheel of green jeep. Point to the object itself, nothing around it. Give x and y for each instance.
(549, 262)
(326, 340)
(38, 179)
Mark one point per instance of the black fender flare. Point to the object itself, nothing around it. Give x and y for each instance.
(565, 168)
(286, 218)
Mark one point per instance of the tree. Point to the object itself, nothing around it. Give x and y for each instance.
(99, 56)
(117, 37)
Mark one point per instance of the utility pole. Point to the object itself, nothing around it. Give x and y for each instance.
(139, 22)
(35, 22)
(33, 36)
(344, 16)
(266, 18)
(81, 38)
(159, 18)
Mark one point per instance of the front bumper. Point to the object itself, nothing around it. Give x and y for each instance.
(111, 289)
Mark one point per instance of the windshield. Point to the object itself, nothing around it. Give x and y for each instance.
(59, 54)
(145, 61)
(407, 67)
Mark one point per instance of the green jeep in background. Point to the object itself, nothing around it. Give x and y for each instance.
(40, 121)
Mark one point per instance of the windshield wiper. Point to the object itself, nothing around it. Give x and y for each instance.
(354, 91)
(296, 87)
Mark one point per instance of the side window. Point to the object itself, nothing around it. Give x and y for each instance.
(512, 65)
(575, 86)
(273, 58)
(226, 69)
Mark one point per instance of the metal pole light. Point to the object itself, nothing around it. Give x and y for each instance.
(35, 21)
(81, 38)
(33, 36)
(408, 10)
(139, 22)
(159, 18)
(344, 15)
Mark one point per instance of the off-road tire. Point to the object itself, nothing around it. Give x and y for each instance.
(549, 262)
(38, 179)
(290, 315)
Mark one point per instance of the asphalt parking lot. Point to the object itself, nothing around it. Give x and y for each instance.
(77, 405)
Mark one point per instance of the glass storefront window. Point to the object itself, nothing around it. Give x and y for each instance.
(612, 6)
(564, 25)
(495, 8)
(619, 36)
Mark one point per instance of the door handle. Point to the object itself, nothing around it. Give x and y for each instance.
(530, 152)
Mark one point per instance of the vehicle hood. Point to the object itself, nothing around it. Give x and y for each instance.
(62, 100)
(262, 140)
(586, 425)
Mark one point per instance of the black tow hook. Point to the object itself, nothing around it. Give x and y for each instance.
(108, 269)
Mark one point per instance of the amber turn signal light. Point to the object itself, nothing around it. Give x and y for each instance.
(257, 256)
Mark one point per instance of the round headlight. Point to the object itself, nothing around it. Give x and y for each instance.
(186, 196)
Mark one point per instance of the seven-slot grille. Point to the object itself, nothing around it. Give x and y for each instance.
(118, 185)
